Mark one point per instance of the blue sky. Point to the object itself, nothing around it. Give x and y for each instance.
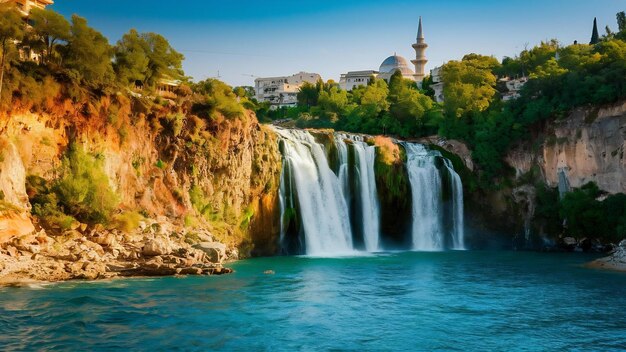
(246, 38)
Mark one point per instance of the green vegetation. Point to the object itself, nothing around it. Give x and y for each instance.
(473, 111)
(584, 212)
(145, 58)
(48, 29)
(81, 193)
(10, 29)
(127, 221)
(83, 187)
(79, 58)
(397, 107)
(216, 99)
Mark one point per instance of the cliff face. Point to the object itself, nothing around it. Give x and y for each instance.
(587, 146)
(185, 181)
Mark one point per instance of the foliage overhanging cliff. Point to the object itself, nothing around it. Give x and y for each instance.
(88, 141)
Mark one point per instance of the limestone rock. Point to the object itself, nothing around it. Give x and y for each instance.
(104, 239)
(14, 225)
(156, 246)
(12, 175)
(214, 250)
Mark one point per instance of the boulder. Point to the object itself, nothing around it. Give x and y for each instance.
(15, 225)
(233, 254)
(570, 241)
(157, 246)
(215, 251)
(13, 252)
(106, 239)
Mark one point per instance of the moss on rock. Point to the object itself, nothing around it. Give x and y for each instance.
(394, 189)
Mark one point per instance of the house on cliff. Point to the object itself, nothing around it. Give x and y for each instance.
(282, 91)
(25, 6)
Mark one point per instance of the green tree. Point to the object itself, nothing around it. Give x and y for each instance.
(147, 57)
(50, 27)
(374, 96)
(244, 92)
(595, 36)
(217, 97)
(407, 106)
(581, 211)
(88, 54)
(11, 28)
(621, 21)
(131, 59)
(308, 95)
(528, 60)
(333, 101)
(469, 84)
(549, 69)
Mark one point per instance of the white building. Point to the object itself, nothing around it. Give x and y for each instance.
(513, 86)
(391, 65)
(353, 79)
(437, 84)
(282, 91)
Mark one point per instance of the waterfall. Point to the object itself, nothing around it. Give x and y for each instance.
(329, 198)
(426, 193)
(458, 214)
(321, 204)
(432, 230)
(368, 213)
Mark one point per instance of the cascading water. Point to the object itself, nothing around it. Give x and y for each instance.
(458, 214)
(329, 198)
(368, 213)
(432, 230)
(321, 204)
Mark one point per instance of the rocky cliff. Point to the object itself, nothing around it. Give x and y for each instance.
(586, 146)
(186, 192)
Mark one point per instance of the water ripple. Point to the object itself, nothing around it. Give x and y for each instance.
(392, 301)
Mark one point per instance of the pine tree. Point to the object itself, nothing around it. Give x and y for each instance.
(11, 28)
(595, 37)
(621, 21)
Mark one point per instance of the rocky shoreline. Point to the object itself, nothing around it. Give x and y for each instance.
(157, 248)
(615, 261)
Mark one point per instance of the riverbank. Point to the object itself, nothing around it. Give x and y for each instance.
(615, 261)
(154, 249)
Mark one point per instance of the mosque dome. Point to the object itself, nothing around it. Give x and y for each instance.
(395, 63)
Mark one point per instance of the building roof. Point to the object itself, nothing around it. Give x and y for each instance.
(394, 63)
(361, 73)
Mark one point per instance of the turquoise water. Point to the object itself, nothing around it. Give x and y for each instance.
(459, 301)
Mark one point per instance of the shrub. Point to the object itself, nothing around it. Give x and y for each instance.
(127, 222)
(173, 124)
(83, 188)
(46, 204)
(199, 201)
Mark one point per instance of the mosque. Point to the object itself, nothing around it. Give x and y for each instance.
(390, 65)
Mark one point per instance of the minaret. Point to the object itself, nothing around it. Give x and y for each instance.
(420, 55)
